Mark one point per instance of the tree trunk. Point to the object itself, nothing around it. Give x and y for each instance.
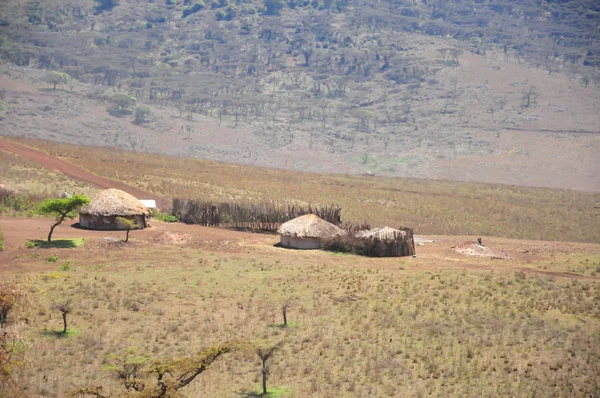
(64, 316)
(127, 236)
(58, 221)
(284, 309)
(51, 230)
(264, 377)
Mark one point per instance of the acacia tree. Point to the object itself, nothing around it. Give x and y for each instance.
(122, 104)
(56, 78)
(162, 379)
(62, 208)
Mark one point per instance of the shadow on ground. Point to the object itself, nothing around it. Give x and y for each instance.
(55, 244)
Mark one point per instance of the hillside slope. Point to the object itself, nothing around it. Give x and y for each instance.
(464, 91)
(430, 207)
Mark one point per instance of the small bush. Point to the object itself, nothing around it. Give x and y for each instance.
(11, 203)
(193, 9)
(1, 241)
(66, 267)
(52, 259)
(164, 217)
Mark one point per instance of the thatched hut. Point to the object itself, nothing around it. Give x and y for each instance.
(389, 242)
(306, 232)
(108, 206)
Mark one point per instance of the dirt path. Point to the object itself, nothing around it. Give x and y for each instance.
(77, 173)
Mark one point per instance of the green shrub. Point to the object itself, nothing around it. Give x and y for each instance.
(16, 204)
(193, 9)
(164, 217)
(1, 241)
(52, 259)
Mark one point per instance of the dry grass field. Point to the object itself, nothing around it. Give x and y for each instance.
(33, 179)
(441, 324)
(429, 206)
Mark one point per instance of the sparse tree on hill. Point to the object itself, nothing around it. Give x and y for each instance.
(56, 78)
(272, 7)
(123, 102)
(530, 97)
(265, 352)
(141, 114)
(284, 308)
(106, 5)
(64, 308)
(62, 208)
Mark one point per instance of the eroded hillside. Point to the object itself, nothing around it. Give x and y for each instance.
(464, 91)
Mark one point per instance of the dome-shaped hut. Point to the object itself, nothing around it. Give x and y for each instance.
(107, 207)
(306, 232)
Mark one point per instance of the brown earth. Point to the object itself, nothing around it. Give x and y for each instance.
(76, 172)
(149, 245)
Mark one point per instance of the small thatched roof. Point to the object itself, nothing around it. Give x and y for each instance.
(113, 202)
(385, 233)
(309, 226)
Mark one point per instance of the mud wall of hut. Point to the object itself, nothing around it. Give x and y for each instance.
(300, 243)
(89, 221)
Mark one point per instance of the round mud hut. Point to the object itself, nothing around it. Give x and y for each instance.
(306, 232)
(106, 209)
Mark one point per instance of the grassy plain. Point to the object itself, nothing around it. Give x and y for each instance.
(441, 324)
(429, 206)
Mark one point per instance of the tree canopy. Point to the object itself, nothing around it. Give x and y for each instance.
(62, 208)
(56, 78)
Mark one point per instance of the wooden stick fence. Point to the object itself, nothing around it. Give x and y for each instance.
(262, 217)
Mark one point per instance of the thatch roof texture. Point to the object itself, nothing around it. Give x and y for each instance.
(309, 226)
(384, 233)
(113, 202)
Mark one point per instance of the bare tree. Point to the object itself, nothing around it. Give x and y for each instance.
(530, 97)
(264, 353)
(284, 308)
(64, 308)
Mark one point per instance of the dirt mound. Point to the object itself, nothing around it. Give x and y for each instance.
(173, 238)
(476, 250)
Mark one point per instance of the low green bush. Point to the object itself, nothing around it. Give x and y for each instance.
(164, 217)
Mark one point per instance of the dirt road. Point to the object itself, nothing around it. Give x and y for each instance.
(78, 173)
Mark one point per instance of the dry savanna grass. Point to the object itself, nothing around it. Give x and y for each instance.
(32, 179)
(429, 206)
(358, 327)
